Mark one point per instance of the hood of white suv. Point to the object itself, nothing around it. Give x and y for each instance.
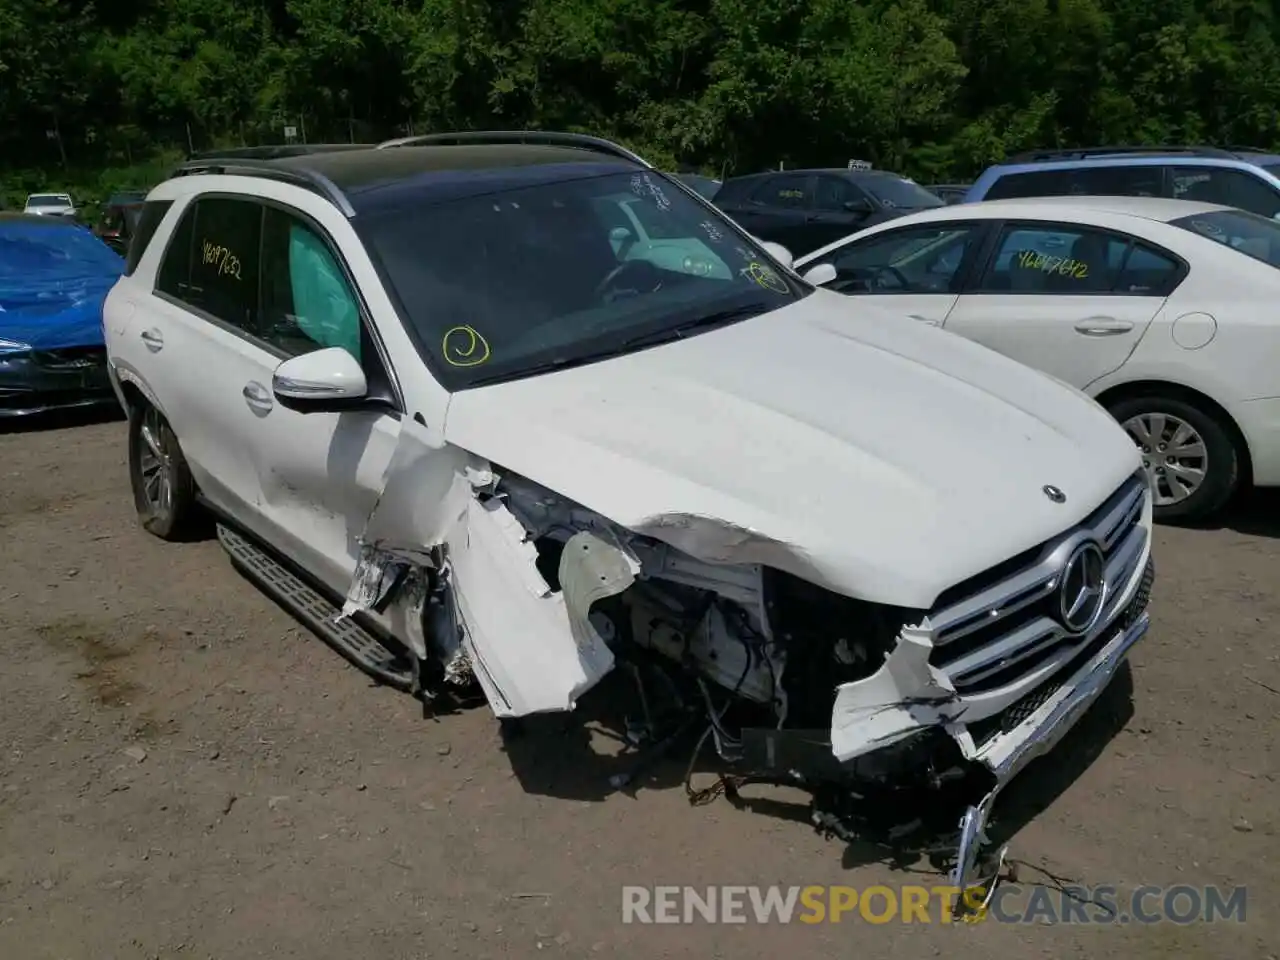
(881, 458)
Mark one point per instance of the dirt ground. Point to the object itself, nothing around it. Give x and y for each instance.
(185, 772)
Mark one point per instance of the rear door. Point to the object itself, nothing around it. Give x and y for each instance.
(916, 270)
(197, 354)
(1070, 300)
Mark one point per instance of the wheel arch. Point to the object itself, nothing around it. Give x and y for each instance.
(1176, 391)
(134, 398)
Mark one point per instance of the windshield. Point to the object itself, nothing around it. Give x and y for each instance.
(1250, 234)
(899, 192)
(514, 282)
(48, 200)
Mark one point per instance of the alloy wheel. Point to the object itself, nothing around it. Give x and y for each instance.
(155, 464)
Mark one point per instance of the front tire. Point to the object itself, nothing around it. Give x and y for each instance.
(164, 493)
(1189, 454)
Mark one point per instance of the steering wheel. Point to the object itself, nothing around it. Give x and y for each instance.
(603, 289)
(893, 274)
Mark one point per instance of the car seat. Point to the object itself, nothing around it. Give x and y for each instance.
(1091, 250)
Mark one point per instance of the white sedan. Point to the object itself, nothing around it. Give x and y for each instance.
(1163, 311)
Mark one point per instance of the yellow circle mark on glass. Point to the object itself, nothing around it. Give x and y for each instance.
(464, 347)
(765, 277)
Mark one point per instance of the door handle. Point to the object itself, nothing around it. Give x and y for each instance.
(257, 396)
(920, 319)
(1103, 327)
(153, 339)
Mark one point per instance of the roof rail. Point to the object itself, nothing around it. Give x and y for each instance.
(1238, 148)
(1084, 153)
(275, 151)
(546, 137)
(267, 170)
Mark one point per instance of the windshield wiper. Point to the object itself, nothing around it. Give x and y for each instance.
(652, 338)
(717, 319)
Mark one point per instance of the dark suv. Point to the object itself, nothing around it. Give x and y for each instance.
(1243, 177)
(807, 209)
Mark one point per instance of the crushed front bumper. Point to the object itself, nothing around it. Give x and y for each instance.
(1008, 753)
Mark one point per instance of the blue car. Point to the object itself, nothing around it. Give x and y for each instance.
(1244, 177)
(54, 277)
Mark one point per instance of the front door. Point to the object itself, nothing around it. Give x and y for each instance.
(839, 209)
(320, 473)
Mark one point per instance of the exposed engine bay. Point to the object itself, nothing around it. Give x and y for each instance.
(534, 599)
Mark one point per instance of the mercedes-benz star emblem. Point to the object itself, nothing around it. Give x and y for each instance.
(1083, 585)
(1053, 493)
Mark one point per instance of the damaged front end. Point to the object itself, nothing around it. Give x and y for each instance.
(536, 599)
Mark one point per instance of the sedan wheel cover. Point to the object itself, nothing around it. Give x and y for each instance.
(1173, 454)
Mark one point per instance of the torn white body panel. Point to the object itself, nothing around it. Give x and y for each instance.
(534, 649)
(903, 697)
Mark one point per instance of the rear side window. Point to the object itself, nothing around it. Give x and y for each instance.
(212, 261)
(148, 221)
(1097, 181)
(1132, 181)
(1065, 260)
(1040, 183)
(785, 191)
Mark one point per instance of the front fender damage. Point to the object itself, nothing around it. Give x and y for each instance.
(496, 579)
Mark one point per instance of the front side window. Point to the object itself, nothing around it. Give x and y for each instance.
(834, 194)
(1229, 187)
(307, 303)
(1247, 233)
(914, 260)
(525, 278)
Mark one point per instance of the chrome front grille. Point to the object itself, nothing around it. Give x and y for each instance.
(993, 631)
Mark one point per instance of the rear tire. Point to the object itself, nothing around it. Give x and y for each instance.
(164, 492)
(1189, 454)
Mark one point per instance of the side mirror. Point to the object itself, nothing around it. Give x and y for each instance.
(323, 380)
(858, 206)
(619, 235)
(778, 252)
(820, 274)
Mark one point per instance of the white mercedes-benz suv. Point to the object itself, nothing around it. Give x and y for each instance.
(452, 412)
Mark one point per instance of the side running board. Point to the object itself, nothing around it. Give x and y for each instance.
(314, 611)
